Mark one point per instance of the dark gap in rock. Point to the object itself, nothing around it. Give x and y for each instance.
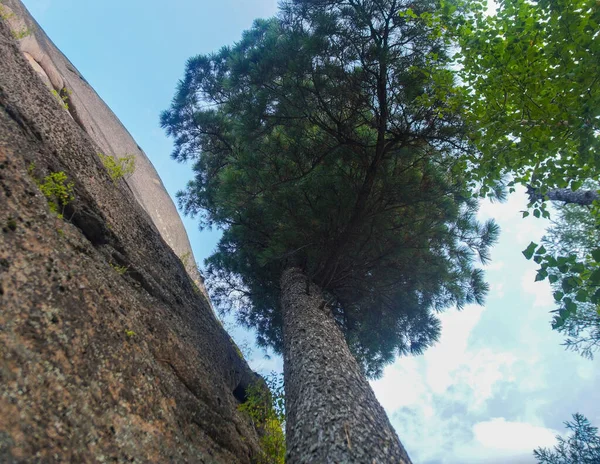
(90, 224)
(71, 108)
(240, 394)
(17, 117)
(141, 279)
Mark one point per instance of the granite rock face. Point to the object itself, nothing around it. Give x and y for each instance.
(108, 351)
(104, 128)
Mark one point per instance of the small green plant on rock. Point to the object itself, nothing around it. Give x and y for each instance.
(63, 97)
(196, 288)
(5, 14)
(21, 34)
(118, 168)
(265, 407)
(57, 191)
(185, 259)
(119, 269)
(237, 349)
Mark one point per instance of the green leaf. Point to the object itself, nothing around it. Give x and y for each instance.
(595, 277)
(577, 268)
(541, 275)
(525, 214)
(553, 278)
(528, 252)
(570, 306)
(582, 296)
(567, 284)
(596, 255)
(558, 296)
(563, 268)
(558, 323)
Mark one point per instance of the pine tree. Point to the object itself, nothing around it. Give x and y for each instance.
(581, 447)
(572, 240)
(325, 145)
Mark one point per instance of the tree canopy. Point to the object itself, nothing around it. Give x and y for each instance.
(328, 138)
(581, 447)
(531, 77)
(531, 70)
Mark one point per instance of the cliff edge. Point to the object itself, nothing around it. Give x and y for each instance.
(93, 115)
(108, 351)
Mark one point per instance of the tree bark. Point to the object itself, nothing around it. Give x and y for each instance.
(579, 197)
(332, 415)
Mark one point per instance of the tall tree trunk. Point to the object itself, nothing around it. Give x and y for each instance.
(332, 413)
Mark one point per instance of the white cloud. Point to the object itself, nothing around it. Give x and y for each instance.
(514, 437)
(449, 354)
(494, 266)
(498, 441)
(497, 290)
(481, 372)
(541, 291)
(402, 385)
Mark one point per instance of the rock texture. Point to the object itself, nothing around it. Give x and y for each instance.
(104, 128)
(108, 352)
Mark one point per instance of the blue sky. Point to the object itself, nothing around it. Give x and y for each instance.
(496, 386)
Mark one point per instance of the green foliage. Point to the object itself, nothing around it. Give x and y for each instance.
(238, 351)
(570, 259)
(265, 406)
(5, 14)
(21, 34)
(121, 270)
(57, 191)
(582, 446)
(63, 97)
(196, 288)
(130, 333)
(318, 144)
(118, 168)
(533, 101)
(185, 259)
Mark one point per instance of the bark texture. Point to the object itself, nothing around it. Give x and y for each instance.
(579, 197)
(332, 413)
